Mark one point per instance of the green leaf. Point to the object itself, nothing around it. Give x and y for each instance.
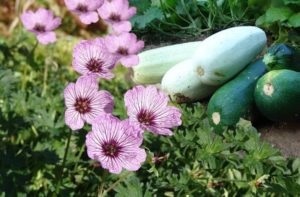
(261, 20)
(150, 15)
(141, 6)
(296, 165)
(275, 14)
(294, 20)
(131, 187)
(260, 3)
(295, 2)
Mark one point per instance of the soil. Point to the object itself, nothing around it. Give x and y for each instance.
(284, 136)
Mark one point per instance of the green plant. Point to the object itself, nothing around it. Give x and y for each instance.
(178, 18)
(195, 161)
(282, 18)
(40, 156)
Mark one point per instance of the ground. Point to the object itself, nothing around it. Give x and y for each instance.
(284, 136)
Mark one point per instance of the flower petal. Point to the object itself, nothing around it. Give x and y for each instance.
(53, 24)
(86, 86)
(108, 131)
(94, 5)
(136, 161)
(73, 119)
(93, 51)
(147, 106)
(70, 95)
(89, 17)
(120, 27)
(101, 103)
(27, 20)
(130, 60)
(136, 47)
(46, 38)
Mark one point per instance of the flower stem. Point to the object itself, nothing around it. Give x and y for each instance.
(63, 163)
(125, 175)
(45, 77)
(79, 156)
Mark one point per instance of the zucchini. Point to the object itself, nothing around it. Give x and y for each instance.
(154, 63)
(182, 84)
(234, 100)
(224, 54)
(277, 95)
(282, 56)
(217, 59)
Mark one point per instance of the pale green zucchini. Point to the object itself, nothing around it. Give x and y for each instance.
(154, 63)
(219, 58)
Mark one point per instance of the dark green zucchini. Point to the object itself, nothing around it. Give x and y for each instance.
(277, 95)
(282, 56)
(234, 100)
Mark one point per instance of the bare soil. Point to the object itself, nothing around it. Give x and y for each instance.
(284, 136)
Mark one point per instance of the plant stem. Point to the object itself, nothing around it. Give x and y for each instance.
(24, 79)
(115, 183)
(188, 14)
(102, 180)
(163, 9)
(45, 77)
(79, 156)
(64, 162)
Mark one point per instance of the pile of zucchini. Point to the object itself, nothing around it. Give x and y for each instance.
(227, 67)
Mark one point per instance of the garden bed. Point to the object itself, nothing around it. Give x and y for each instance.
(42, 155)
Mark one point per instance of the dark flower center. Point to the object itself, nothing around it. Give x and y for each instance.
(115, 17)
(111, 148)
(145, 117)
(82, 8)
(83, 105)
(39, 28)
(95, 65)
(122, 51)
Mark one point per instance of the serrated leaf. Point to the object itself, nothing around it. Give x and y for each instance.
(132, 187)
(294, 20)
(275, 14)
(150, 15)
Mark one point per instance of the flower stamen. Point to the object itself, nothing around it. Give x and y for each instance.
(122, 51)
(82, 8)
(39, 28)
(146, 117)
(95, 65)
(82, 105)
(111, 148)
(115, 17)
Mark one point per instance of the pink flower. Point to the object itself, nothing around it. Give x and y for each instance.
(84, 102)
(148, 107)
(117, 13)
(125, 47)
(85, 9)
(41, 23)
(115, 144)
(91, 57)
